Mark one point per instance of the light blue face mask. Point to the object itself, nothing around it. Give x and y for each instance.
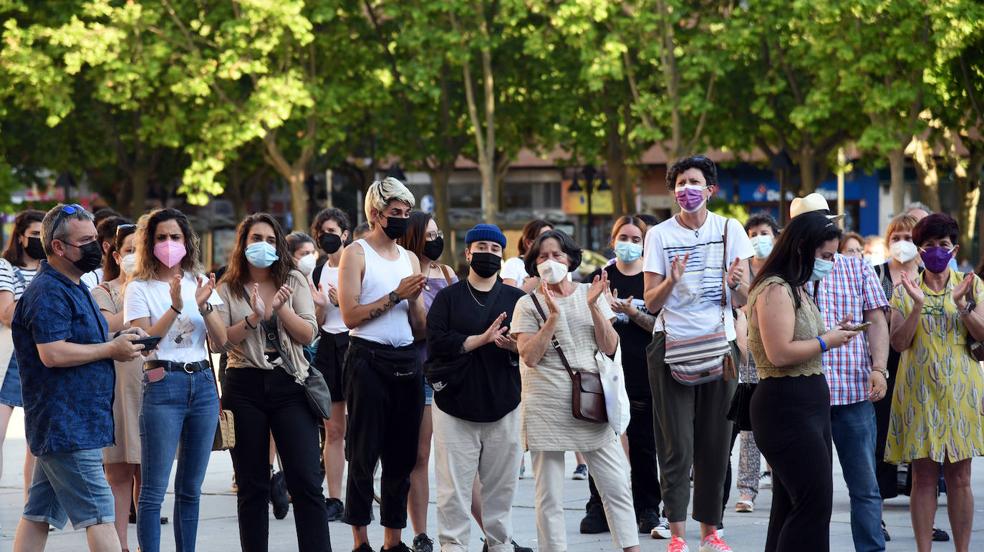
(762, 245)
(821, 269)
(628, 251)
(261, 254)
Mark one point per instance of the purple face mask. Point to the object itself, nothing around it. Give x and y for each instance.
(936, 259)
(690, 198)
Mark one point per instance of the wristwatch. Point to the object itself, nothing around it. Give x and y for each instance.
(394, 297)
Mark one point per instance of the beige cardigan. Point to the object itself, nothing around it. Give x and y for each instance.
(249, 353)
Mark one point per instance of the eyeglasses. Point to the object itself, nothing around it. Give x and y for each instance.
(65, 211)
(434, 235)
(124, 227)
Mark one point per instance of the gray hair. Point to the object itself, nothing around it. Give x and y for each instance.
(381, 192)
(917, 205)
(53, 225)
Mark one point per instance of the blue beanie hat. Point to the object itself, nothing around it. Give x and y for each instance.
(485, 232)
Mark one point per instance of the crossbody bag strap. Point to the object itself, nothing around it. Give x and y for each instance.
(215, 374)
(724, 266)
(553, 340)
(447, 273)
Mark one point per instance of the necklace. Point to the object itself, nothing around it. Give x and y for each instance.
(696, 230)
(472, 293)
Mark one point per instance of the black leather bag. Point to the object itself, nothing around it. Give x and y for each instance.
(315, 386)
(741, 406)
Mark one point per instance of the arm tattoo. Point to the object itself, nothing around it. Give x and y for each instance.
(377, 312)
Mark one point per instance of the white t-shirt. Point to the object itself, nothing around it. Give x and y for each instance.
(185, 341)
(333, 315)
(514, 269)
(693, 308)
(92, 279)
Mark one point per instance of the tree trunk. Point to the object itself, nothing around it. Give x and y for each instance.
(896, 166)
(928, 173)
(967, 181)
(808, 172)
(439, 180)
(615, 162)
(138, 199)
(298, 199)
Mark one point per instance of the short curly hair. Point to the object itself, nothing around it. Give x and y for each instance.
(936, 227)
(699, 162)
(758, 219)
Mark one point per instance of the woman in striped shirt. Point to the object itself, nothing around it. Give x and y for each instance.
(18, 265)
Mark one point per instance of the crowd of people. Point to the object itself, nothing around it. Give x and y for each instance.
(351, 349)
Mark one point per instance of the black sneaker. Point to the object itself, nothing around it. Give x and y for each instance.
(594, 521)
(648, 520)
(278, 495)
(940, 535)
(423, 543)
(364, 547)
(888, 538)
(516, 547)
(398, 548)
(335, 509)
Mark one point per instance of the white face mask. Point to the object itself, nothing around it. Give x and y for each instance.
(306, 264)
(552, 272)
(128, 264)
(904, 251)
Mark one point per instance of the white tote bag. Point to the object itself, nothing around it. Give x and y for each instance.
(613, 385)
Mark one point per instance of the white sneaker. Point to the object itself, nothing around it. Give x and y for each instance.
(662, 530)
(714, 543)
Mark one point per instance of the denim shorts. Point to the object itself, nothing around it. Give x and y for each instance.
(70, 486)
(10, 391)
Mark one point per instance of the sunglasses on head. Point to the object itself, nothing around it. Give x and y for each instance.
(124, 227)
(66, 211)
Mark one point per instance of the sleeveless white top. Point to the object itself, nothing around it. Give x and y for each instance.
(380, 278)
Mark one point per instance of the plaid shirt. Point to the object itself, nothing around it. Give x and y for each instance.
(849, 290)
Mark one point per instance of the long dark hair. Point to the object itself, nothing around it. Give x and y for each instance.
(121, 229)
(796, 248)
(237, 272)
(416, 235)
(14, 252)
(146, 231)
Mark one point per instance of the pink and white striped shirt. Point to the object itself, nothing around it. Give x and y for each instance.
(849, 290)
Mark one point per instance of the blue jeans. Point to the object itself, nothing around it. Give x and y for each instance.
(854, 429)
(70, 486)
(180, 409)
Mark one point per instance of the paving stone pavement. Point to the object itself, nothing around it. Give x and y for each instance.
(218, 531)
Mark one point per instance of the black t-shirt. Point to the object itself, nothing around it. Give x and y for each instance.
(490, 387)
(633, 338)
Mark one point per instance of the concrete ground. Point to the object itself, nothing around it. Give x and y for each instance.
(218, 531)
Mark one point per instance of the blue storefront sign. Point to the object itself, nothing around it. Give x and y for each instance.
(758, 190)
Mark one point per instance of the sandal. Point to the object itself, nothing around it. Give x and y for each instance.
(744, 506)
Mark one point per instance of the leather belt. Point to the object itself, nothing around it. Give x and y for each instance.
(172, 366)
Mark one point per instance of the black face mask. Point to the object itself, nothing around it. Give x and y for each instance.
(330, 243)
(485, 264)
(35, 249)
(91, 258)
(434, 248)
(396, 227)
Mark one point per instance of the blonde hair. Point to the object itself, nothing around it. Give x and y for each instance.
(900, 223)
(382, 192)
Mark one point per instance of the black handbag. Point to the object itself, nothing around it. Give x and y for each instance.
(315, 386)
(741, 406)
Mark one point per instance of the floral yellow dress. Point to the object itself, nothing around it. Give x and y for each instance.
(939, 395)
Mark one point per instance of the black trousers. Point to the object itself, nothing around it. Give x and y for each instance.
(265, 401)
(887, 474)
(642, 460)
(791, 424)
(385, 402)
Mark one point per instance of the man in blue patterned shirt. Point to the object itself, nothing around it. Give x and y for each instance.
(66, 359)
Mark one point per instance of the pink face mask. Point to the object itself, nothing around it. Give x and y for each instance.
(690, 198)
(169, 252)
